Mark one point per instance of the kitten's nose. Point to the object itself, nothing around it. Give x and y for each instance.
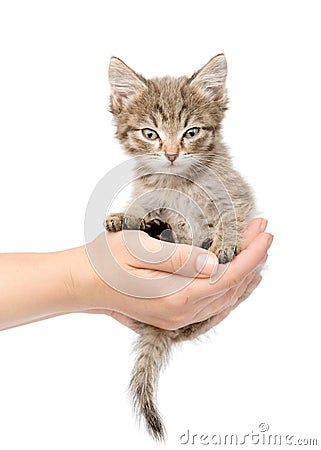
(171, 156)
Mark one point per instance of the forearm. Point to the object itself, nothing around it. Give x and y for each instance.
(34, 286)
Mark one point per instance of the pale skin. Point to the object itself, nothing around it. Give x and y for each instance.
(37, 286)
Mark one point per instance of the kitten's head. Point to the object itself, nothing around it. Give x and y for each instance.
(173, 123)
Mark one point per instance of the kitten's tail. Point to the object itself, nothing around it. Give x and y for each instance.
(153, 350)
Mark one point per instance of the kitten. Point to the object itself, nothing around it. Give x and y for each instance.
(186, 190)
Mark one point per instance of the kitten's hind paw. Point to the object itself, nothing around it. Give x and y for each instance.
(225, 255)
(207, 243)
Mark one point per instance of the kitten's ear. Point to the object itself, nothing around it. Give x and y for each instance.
(211, 78)
(124, 82)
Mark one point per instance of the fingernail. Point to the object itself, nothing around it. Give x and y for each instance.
(263, 225)
(270, 240)
(206, 263)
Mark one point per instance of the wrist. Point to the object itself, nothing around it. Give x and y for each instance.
(84, 286)
(77, 278)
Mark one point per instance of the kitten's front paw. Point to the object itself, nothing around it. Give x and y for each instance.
(226, 254)
(114, 222)
(117, 222)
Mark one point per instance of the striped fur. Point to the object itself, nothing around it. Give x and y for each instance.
(183, 166)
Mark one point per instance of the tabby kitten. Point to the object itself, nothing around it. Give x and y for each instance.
(185, 190)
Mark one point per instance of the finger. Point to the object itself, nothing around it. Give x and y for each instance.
(251, 287)
(220, 317)
(181, 259)
(254, 228)
(213, 306)
(231, 275)
(242, 288)
(247, 288)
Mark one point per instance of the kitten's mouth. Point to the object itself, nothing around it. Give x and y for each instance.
(160, 163)
(172, 166)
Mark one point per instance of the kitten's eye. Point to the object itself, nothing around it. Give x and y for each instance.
(192, 132)
(149, 134)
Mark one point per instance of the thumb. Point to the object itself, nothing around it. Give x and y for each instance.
(182, 259)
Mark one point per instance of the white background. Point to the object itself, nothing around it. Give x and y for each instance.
(63, 381)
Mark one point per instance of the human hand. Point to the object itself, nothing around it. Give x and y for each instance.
(161, 284)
